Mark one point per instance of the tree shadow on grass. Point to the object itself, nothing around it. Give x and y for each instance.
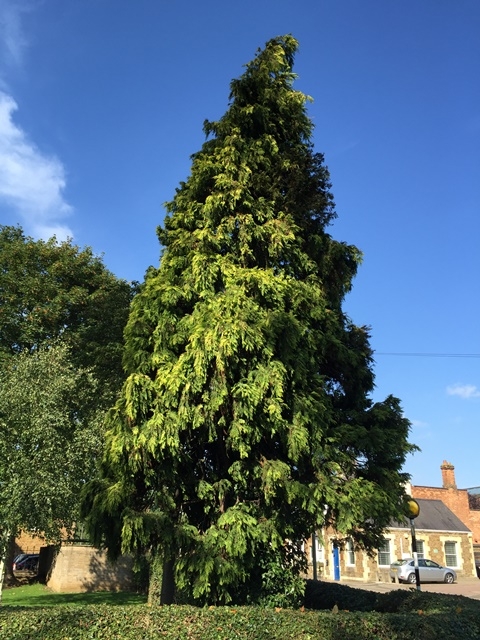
(47, 598)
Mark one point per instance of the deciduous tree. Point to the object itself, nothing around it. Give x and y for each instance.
(51, 433)
(246, 420)
(53, 290)
(62, 313)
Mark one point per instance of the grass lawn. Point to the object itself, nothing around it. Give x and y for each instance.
(37, 595)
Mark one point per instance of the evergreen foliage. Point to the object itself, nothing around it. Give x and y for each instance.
(246, 420)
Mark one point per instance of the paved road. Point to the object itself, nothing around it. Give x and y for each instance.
(469, 587)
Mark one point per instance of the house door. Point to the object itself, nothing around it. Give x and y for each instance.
(336, 562)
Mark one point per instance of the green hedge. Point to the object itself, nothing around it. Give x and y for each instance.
(140, 622)
(325, 595)
(348, 614)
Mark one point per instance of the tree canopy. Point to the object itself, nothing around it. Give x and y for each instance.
(62, 316)
(51, 433)
(53, 290)
(246, 419)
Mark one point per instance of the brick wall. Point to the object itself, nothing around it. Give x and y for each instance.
(474, 525)
(26, 543)
(455, 499)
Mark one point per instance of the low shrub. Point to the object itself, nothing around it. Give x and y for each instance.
(393, 601)
(325, 595)
(352, 614)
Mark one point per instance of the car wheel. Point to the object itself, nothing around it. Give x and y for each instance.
(411, 578)
(449, 579)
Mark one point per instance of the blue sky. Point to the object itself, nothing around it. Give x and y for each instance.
(102, 104)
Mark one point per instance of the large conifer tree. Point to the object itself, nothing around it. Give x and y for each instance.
(246, 420)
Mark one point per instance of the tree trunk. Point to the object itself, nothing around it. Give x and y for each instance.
(155, 581)
(7, 549)
(2, 572)
(9, 576)
(168, 583)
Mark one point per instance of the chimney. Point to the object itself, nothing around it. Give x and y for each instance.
(448, 475)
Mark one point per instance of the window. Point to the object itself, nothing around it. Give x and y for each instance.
(451, 554)
(431, 564)
(384, 553)
(420, 549)
(320, 551)
(350, 553)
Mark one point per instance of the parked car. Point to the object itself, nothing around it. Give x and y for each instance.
(26, 562)
(429, 571)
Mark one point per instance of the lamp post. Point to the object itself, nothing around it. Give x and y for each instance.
(413, 509)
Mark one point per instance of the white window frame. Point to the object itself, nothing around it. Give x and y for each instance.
(349, 553)
(320, 551)
(451, 555)
(384, 549)
(420, 549)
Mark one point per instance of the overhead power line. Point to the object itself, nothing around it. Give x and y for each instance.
(428, 355)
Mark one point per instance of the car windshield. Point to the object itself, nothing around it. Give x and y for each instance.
(400, 563)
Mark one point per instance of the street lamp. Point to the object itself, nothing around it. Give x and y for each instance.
(413, 510)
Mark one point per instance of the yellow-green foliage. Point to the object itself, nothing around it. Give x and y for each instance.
(246, 420)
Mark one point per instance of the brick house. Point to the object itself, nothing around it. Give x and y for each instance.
(465, 503)
(445, 543)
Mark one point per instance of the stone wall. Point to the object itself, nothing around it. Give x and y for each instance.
(78, 569)
(366, 568)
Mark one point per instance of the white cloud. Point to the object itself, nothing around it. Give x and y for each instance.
(465, 391)
(31, 183)
(419, 424)
(12, 38)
